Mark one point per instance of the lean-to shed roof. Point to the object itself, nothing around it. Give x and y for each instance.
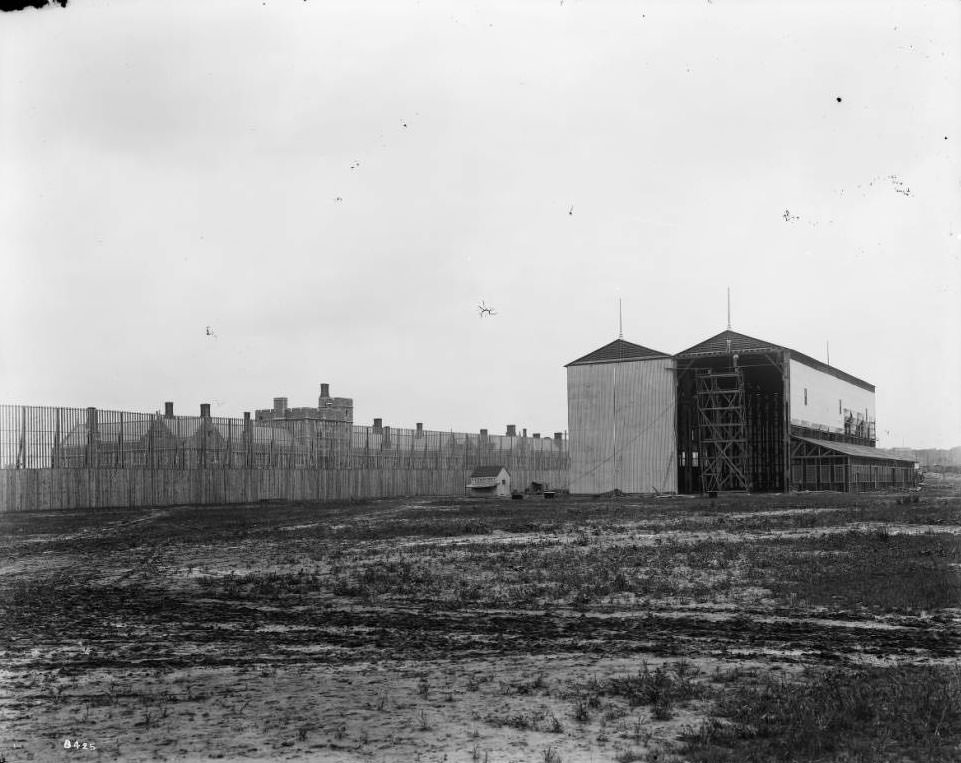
(858, 451)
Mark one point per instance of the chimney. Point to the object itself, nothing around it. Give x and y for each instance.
(280, 406)
(512, 430)
(420, 429)
(483, 433)
(378, 424)
(205, 410)
(324, 390)
(525, 432)
(558, 435)
(168, 410)
(537, 435)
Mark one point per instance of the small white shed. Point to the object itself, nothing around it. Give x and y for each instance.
(489, 481)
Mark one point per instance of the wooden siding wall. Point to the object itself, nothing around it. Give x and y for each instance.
(847, 476)
(45, 489)
(645, 427)
(622, 419)
(590, 421)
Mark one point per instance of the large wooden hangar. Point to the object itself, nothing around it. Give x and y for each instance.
(732, 413)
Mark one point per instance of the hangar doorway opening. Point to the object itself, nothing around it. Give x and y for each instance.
(731, 422)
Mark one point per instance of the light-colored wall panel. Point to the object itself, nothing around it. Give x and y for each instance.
(645, 421)
(823, 393)
(621, 419)
(590, 415)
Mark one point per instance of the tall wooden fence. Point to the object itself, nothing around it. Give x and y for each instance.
(52, 458)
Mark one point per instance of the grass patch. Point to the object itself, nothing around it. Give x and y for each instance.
(870, 570)
(864, 714)
(660, 689)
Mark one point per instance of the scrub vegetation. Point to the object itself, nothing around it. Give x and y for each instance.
(805, 627)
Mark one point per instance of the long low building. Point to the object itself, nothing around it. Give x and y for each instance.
(731, 413)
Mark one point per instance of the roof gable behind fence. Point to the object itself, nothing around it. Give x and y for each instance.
(179, 429)
(618, 351)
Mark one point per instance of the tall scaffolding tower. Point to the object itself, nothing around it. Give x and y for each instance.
(722, 424)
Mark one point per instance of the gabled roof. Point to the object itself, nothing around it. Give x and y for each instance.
(618, 351)
(860, 451)
(486, 471)
(743, 344)
(180, 428)
(111, 431)
(259, 435)
(717, 345)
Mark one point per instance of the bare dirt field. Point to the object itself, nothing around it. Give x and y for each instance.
(808, 627)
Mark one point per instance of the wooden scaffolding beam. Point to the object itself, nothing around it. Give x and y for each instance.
(724, 456)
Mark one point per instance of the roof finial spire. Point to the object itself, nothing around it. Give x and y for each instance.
(620, 318)
(728, 308)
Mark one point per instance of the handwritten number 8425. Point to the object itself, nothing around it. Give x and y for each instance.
(76, 744)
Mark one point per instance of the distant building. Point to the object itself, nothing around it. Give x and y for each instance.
(489, 481)
(755, 415)
(732, 413)
(154, 440)
(328, 409)
(323, 431)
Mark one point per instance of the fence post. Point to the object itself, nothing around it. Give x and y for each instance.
(55, 460)
(204, 430)
(248, 434)
(93, 437)
(22, 443)
(148, 456)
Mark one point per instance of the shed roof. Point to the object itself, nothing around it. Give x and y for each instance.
(486, 471)
(858, 451)
(618, 351)
(742, 343)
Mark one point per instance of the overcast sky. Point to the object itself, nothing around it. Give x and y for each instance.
(333, 187)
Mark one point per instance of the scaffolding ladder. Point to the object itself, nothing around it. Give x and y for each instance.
(722, 427)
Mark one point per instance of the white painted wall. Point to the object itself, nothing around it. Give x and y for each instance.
(481, 486)
(642, 457)
(823, 393)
